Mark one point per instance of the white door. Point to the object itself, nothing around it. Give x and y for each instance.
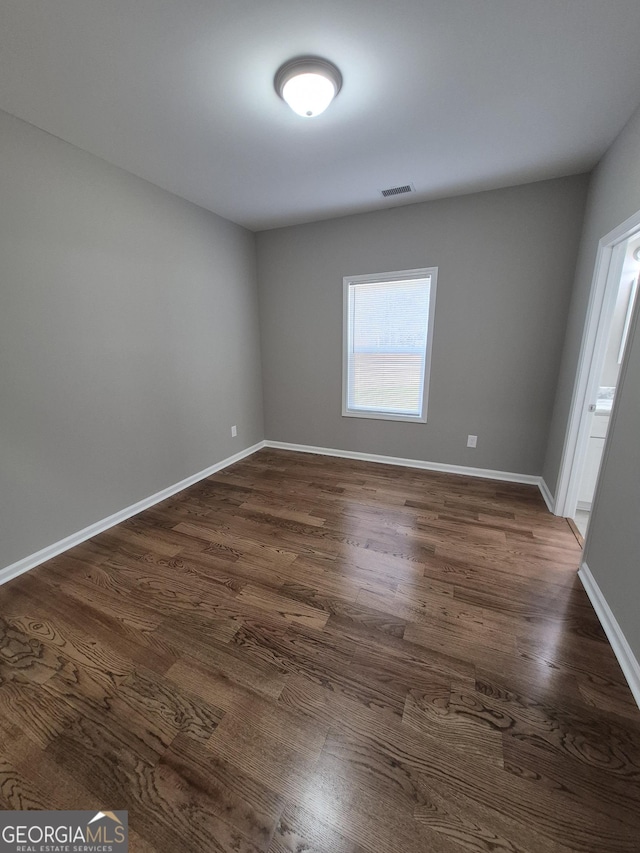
(604, 334)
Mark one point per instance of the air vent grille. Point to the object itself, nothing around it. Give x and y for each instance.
(407, 188)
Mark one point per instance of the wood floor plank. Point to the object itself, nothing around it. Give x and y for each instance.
(302, 654)
(363, 814)
(299, 830)
(287, 771)
(290, 609)
(432, 712)
(251, 808)
(25, 657)
(474, 825)
(226, 676)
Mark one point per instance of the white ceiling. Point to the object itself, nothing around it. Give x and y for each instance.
(450, 95)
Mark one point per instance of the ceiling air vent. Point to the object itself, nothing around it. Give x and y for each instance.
(407, 188)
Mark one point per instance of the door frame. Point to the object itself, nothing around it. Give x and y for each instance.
(604, 289)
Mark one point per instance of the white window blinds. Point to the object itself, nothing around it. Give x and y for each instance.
(387, 343)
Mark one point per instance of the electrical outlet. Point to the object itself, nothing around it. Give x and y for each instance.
(234, 431)
(472, 441)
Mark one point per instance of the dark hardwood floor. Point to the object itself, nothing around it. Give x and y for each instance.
(310, 655)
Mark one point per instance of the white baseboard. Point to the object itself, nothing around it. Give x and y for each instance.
(621, 648)
(30, 562)
(546, 494)
(24, 565)
(486, 473)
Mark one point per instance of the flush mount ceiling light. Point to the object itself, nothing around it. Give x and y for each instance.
(308, 84)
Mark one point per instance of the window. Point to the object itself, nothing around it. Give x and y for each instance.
(388, 329)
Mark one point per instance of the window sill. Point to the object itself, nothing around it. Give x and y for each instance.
(385, 416)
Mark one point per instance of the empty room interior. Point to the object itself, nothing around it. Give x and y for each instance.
(306, 318)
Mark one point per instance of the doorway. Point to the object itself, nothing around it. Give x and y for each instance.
(614, 290)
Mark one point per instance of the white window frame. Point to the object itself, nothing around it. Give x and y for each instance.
(398, 275)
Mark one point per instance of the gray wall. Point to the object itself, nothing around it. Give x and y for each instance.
(128, 339)
(506, 261)
(613, 542)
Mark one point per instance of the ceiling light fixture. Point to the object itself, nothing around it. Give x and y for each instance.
(308, 84)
